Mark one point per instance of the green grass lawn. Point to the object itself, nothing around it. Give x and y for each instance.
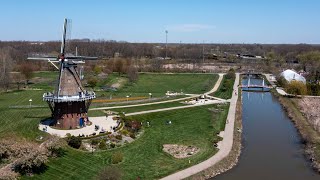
(138, 108)
(159, 84)
(123, 103)
(225, 89)
(44, 80)
(144, 157)
(21, 122)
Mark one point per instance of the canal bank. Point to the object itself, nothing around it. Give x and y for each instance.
(272, 146)
(232, 159)
(310, 137)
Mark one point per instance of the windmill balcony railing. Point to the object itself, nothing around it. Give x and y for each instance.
(71, 98)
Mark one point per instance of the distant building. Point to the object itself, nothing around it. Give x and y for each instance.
(117, 54)
(291, 75)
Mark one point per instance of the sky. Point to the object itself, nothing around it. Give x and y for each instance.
(187, 21)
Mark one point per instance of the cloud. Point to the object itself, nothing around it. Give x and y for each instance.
(189, 27)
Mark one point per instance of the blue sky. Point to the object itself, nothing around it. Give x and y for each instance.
(188, 21)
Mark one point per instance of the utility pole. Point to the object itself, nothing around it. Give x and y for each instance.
(166, 44)
(203, 52)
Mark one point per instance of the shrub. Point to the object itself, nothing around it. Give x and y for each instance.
(74, 142)
(33, 162)
(281, 81)
(296, 88)
(125, 132)
(112, 145)
(119, 137)
(110, 173)
(313, 89)
(94, 141)
(230, 74)
(116, 157)
(132, 135)
(217, 139)
(133, 125)
(103, 145)
(55, 146)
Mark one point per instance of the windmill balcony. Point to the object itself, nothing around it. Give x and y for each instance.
(71, 98)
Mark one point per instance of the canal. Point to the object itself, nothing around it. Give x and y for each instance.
(272, 147)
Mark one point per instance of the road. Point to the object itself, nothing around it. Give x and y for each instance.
(225, 145)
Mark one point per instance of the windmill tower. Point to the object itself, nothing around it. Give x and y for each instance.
(69, 103)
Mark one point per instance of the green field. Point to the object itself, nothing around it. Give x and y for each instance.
(159, 84)
(144, 157)
(138, 108)
(22, 122)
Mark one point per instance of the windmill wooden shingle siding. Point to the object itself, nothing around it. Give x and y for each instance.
(70, 102)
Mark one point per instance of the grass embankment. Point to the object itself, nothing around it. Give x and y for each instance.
(310, 136)
(137, 108)
(159, 84)
(225, 89)
(144, 157)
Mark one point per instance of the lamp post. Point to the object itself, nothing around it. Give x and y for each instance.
(30, 101)
(150, 95)
(127, 98)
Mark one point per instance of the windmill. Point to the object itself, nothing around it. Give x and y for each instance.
(69, 103)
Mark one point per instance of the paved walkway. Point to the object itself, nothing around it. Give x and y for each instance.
(281, 91)
(271, 79)
(215, 88)
(225, 144)
(103, 122)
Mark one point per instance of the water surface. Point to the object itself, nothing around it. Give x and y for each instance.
(272, 145)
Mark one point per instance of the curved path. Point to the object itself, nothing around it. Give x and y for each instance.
(215, 88)
(225, 145)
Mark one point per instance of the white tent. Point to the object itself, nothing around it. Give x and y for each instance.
(290, 75)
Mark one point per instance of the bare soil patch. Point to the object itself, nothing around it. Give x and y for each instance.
(180, 151)
(310, 107)
(119, 83)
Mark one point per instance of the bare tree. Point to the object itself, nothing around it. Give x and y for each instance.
(119, 66)
(6, 64)
(132, 73)
(27, 71)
